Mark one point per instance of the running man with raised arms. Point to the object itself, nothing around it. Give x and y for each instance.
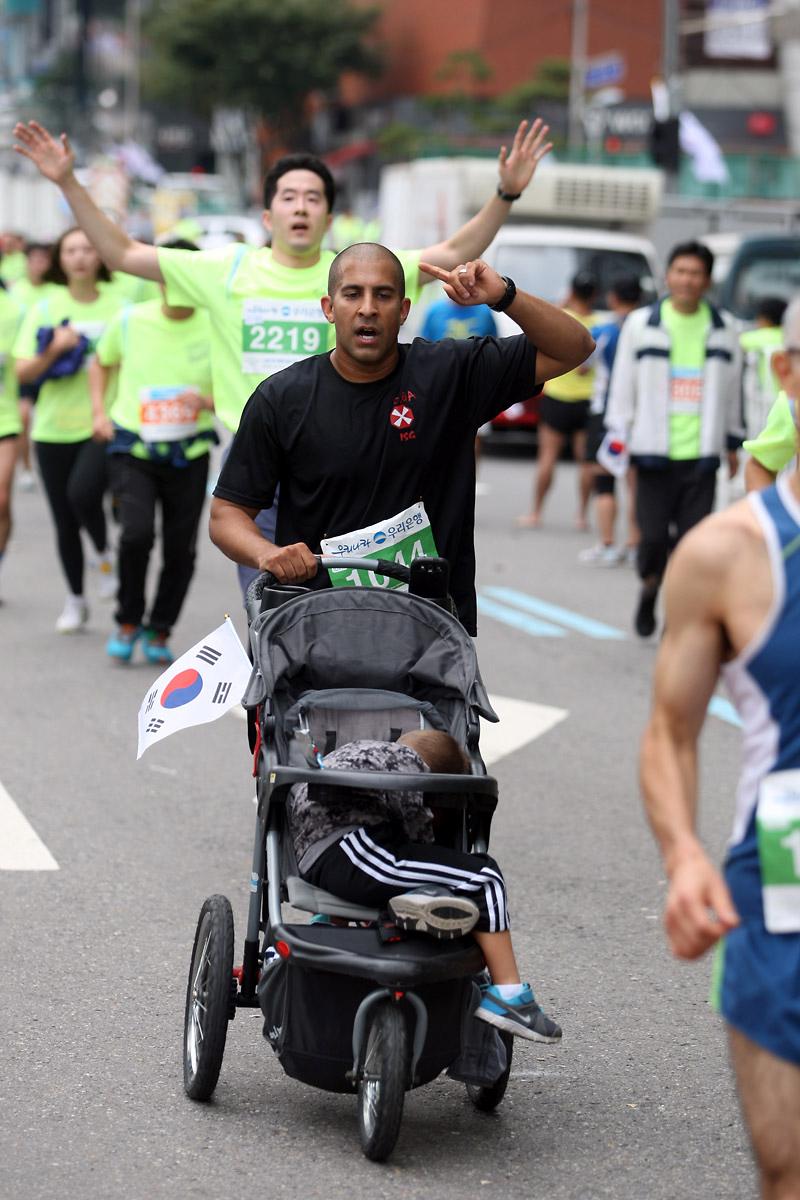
(732, 611)
(264, 303)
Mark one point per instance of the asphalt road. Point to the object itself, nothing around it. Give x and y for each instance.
(636, 1103)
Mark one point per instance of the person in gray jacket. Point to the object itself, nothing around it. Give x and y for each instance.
(675, 398)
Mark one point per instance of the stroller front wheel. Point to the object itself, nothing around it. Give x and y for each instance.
(381, 1091)
(208, 998)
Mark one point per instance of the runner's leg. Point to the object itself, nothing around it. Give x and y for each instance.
(9, 449)
(88, 483)
(56, 461)
(769, 1090)
(135, 489)
(182, 491)
(551, 443)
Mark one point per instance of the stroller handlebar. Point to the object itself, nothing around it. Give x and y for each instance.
(428, 577)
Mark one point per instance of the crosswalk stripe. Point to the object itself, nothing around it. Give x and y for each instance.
(517, 620)
(521, 722)
(21, 849)
(554, 612)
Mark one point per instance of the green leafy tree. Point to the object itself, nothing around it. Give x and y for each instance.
(264, 56)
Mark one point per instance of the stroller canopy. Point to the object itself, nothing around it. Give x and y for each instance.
(366, 638)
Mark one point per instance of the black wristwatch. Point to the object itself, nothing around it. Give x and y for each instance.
(507, 297)
(509, 196)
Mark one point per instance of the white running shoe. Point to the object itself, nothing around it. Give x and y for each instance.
(26, 480)
(74, 616)
(601, 556)
(107, 581)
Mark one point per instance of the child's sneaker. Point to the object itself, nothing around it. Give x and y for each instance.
(434, 910)
(74, 615)
(520, 1015)
(120, 644)
(156, 648)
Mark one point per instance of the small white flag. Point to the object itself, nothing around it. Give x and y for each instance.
(197, 688)
(612, 454)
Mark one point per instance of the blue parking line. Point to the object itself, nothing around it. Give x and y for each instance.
(572, 620)
(722, 708)
(517, 620)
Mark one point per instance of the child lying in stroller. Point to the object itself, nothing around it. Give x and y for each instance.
(376, 848)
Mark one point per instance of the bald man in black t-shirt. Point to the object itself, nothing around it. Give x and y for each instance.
(356, 436)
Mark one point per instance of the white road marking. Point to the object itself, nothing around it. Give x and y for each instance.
(521, 721)
(21, 849)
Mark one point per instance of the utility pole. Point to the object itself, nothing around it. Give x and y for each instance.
(133, 21)
(669, 52)
(579, 50)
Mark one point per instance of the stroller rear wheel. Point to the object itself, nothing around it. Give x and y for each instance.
(210, 998)
(381, 1091)
(486, 1099)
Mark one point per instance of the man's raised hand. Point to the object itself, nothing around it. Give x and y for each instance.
(469, 283)
(529, 147)
(54, 159)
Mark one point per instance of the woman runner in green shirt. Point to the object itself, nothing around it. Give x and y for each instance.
(73, 466)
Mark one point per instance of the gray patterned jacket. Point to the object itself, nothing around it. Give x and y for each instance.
(317, 822)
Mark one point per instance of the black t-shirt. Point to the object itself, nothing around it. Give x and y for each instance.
(345, 455)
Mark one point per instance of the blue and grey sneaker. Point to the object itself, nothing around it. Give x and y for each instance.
(120, 645)
(520, 1016)
(434, 910)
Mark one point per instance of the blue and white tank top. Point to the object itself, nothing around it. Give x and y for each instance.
(764, 679)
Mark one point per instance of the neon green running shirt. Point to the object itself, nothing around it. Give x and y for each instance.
(157, 356)
(63, 411)
(687, 359)
(264, 316)
(10, 317)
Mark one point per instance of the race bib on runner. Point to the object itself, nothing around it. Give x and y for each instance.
(778, 834)
(163, 417)
(686, 391)
(277, 333)
(401, 539)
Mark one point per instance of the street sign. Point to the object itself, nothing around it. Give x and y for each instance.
(604, 70)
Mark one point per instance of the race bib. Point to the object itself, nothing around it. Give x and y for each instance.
(92, 331)
(163, 417)
(401, 539)
(277, 333)
(778, 834)
(686, 391)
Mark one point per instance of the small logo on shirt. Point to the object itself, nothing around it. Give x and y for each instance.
(401, 416)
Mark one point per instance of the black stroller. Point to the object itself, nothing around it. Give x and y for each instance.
(345, 1010)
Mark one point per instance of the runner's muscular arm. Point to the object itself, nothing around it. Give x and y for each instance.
(233, 530)
(561, 342)
(55, 160)
(698, 909)
(516, 170)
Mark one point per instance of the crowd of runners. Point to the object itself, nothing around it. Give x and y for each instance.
(121, 360)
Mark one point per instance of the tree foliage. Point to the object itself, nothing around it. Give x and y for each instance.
(550, 82)
(265, 56)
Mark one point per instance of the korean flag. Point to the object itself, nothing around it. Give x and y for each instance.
(199, 687)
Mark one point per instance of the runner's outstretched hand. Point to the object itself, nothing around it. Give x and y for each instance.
(469, 283)
(54, 159)
(527, 151)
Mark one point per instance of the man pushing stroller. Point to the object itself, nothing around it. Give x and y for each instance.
(353, 438)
